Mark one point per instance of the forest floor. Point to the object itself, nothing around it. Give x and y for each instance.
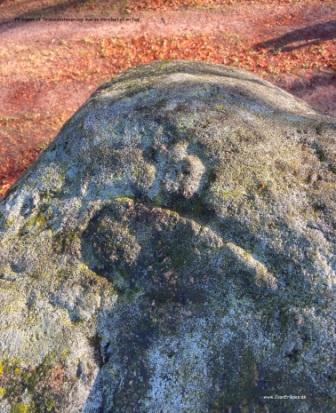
(54, 54)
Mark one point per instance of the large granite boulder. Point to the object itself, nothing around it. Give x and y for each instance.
(173, 250)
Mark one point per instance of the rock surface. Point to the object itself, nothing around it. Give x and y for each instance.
(173, 250)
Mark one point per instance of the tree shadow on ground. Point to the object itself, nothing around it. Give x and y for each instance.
(318, 90)
(301, 37)
(317, 80)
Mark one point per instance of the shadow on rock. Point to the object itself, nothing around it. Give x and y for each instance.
(193, 326)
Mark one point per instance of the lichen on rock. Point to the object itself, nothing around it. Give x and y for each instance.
(173, 250)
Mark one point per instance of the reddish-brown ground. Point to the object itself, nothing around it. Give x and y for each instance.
(49, 68)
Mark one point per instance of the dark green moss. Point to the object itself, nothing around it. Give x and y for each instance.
(36, 381)
(237, 381)
(63, 242)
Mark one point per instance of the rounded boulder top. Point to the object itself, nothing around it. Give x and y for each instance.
(173, 250)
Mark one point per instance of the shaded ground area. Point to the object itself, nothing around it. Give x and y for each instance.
(49, 68)
(302, 37)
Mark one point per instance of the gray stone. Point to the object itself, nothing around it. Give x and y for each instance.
(173, 250)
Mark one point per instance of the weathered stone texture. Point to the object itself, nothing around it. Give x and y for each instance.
(173, 250)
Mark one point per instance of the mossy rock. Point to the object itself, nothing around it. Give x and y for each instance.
(173, 250)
